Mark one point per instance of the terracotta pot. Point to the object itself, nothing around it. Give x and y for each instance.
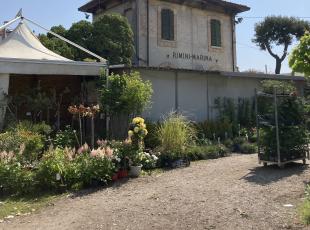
(115, 177)
(122, 173)
(135, 171)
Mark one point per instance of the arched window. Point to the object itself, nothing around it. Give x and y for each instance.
(167, 24)
(216, 36)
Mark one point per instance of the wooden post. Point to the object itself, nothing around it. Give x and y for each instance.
(92, 132)
(277, 126)
(257, 125)
(81, 135)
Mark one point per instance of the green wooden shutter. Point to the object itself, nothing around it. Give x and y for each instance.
(171, 25)
(167, 24)
(216, 37)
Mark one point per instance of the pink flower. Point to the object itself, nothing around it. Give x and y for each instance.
(83, 149)
(109, 152)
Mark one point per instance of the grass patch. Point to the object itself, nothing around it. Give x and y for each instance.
(25, 205)
(304, 212)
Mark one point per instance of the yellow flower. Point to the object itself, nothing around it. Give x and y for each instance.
(130, 133)
(136, 129)
(138, 120)
(143, 126)
(145, 132)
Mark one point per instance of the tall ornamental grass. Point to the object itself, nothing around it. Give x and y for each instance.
(175, 134)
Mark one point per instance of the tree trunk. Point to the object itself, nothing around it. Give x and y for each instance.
(278, 66)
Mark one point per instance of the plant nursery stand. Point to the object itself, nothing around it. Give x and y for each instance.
(279, 159)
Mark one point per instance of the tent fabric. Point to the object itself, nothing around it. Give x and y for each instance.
(21, 43)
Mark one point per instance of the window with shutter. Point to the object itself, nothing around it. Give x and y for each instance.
(216, 36)
(167, 24)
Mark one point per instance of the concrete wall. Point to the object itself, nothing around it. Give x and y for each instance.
(194, 93)
(4, 87)
(191, 48)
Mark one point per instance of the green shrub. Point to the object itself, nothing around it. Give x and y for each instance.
(64, 168)
(229, 144)
(40, 128)
(29, 143)
(151, 141)
(213, 129)
(95, 169)
(248, 148)
(174, 134)
(65, 138)
(14, 179)
(304, 212)
(197, 152)
(52, 172)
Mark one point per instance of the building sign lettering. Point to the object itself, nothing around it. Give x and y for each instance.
(198, 57)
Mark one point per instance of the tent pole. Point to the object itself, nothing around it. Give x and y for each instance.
(68, 41)
(10, 22)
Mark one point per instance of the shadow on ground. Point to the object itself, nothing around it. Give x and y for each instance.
(85, 192)
(266, 175)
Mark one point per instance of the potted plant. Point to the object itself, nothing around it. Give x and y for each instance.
(136, 134)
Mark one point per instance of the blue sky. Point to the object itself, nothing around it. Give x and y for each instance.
(49, 13)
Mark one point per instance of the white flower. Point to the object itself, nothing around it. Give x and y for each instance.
(155, 157)
(118, 159)
(147, 154)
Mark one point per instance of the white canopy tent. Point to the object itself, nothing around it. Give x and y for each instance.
(21, 52)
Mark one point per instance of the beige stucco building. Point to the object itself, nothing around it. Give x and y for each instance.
(190, 47)
(187, 49)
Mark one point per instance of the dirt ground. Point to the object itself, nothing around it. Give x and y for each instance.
(229, 193)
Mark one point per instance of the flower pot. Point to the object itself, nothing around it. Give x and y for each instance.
(115, 177)
(135, 171)
(122, 173)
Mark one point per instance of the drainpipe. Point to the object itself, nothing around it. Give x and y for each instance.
(137, 33)
(233, 44)
(148, 32)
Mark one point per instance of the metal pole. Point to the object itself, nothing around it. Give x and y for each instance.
(68, 41)
(257, 125)
(107, 106)
(10, 22)
(277, 125)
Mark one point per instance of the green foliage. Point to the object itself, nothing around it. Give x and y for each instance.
(65, 138)
(175, 134)
(205, 152)
(98, 169)
(82, 34)
(56, 45)
(304, 212)
(232, 116)
(63, 168)
(113, 38)
(278, 30)
(151, 141)
(14, 179)
(282, 87)
(214, 129)
(248, 148)
(125, 94)
(40, 128)
(304, 209)
(55, 170)
(26, 143)
(110, 36)
(291, 119)
(299, 59)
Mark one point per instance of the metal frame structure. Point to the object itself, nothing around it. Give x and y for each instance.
(280, 163)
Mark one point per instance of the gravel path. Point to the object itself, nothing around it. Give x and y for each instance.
(229, 193)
